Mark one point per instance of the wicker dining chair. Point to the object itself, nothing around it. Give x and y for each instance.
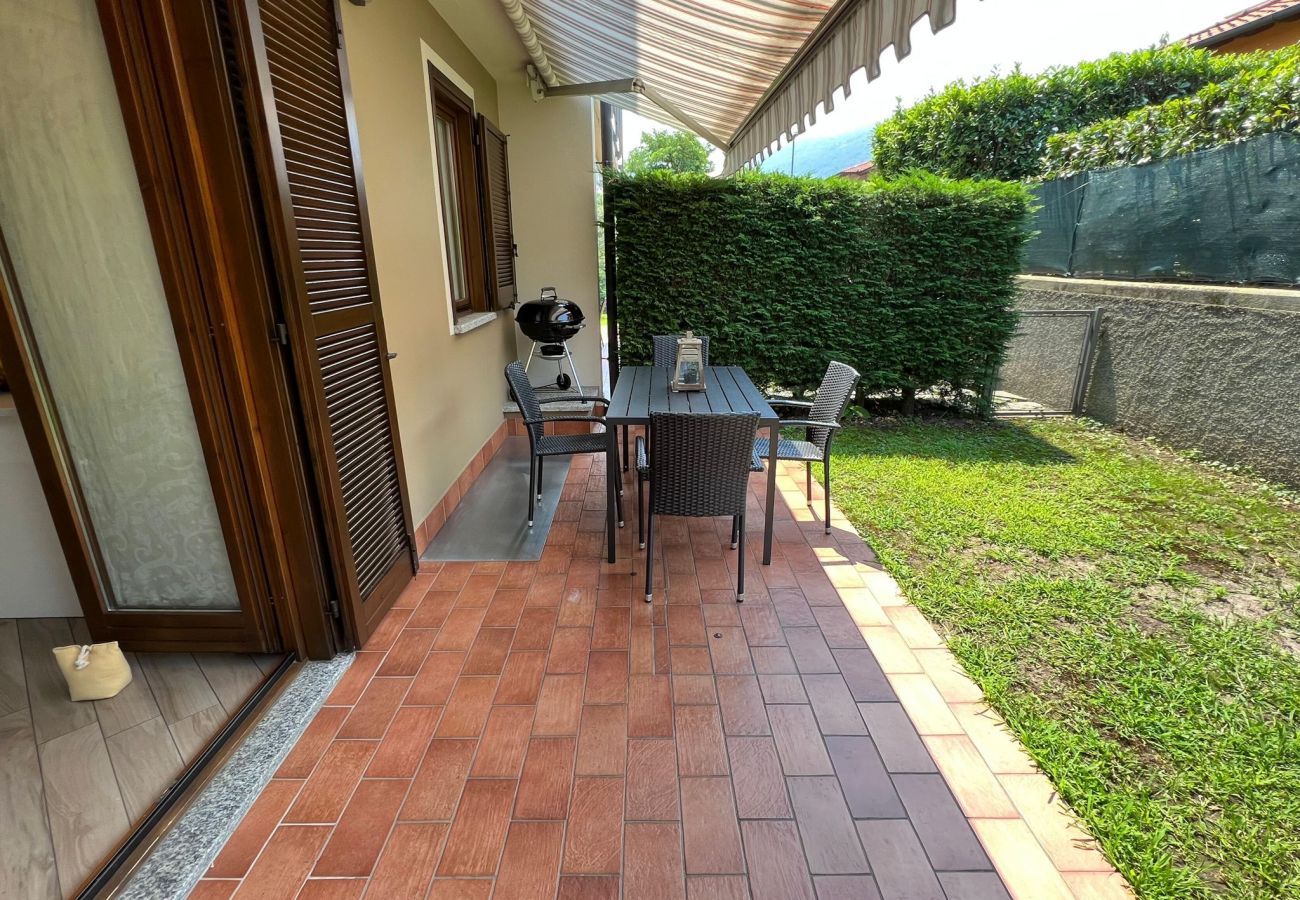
(699, 466)
(542, 445)
(666, 350)
(821, 418)
(665, 357)
(642, 458)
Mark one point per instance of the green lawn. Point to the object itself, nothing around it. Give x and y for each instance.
(1131, 614)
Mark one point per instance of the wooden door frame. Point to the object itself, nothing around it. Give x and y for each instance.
(211, 275)
(277, 210)
(229, 217)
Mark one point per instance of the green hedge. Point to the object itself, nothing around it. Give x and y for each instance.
(999, 127)
(909, 280)
(1255, 102)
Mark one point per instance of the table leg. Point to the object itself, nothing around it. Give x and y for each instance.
(773, 435)
(613, 475)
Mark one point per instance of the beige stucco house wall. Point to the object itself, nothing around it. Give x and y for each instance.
(449, 387)
(553, 187)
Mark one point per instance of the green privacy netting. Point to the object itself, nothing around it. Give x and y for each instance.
(1230, 214)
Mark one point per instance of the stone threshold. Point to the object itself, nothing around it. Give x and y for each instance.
(175, 865)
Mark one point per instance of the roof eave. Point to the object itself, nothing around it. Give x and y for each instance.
(1246, 29)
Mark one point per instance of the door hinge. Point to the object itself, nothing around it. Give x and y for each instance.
(281, 334)
(335, 612)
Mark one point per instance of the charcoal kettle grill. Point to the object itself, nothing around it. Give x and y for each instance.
(550, 322)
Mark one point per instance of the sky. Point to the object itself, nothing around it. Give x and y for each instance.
(993, 35)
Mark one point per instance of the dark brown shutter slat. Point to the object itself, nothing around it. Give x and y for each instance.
(494, 179)
(320, 154)
(333, 260)
(323, 273)
(313, 199)
(324, 217)
(306, 136)
(351, 378)
(320, 167)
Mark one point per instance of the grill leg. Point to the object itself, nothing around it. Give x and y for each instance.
(531, 351)
(539, 478)
(740, 562)
(532, 487)
(572, 368)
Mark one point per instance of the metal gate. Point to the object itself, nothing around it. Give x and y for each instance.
(1045, 372)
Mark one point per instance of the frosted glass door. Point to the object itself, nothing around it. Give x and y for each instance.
(72, 214)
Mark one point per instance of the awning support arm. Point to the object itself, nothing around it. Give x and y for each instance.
(634, 85)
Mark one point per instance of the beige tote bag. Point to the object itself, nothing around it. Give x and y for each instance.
(93, 671)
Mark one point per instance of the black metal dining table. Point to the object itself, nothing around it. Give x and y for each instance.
(642, 390)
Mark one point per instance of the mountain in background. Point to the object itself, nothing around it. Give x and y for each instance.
(822, 156)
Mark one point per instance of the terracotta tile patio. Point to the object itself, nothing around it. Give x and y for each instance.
(522, 730)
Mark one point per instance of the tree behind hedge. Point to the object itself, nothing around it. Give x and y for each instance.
(999, 127)
(909, 280)
(672, 151)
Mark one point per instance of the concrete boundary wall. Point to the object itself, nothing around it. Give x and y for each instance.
(1204, 367)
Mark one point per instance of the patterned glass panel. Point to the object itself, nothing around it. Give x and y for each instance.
(73, 217)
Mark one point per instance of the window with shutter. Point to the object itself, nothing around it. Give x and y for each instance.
(474, 200)
(458, 190)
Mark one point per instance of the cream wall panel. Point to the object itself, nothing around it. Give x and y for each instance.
(34, 579)
(449, 388)
(553, 191)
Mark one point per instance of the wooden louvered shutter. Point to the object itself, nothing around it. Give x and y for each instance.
(302, 126)
(494, 176)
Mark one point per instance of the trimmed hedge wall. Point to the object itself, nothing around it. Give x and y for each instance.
(1254, 102)
(999, 127)
(909, 280)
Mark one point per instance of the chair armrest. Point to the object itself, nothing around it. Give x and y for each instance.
(569, 398)
(600, 420)
(789, 402)
(809, 423)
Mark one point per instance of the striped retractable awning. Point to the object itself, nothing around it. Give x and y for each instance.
(741, 73)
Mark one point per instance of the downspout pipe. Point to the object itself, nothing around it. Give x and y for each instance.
(608, 162)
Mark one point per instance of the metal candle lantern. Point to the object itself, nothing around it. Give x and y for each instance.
(688, 373)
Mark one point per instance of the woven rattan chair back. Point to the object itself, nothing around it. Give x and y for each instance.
(838, 385)
(521, 391)
(699, 463)
(666, 350)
